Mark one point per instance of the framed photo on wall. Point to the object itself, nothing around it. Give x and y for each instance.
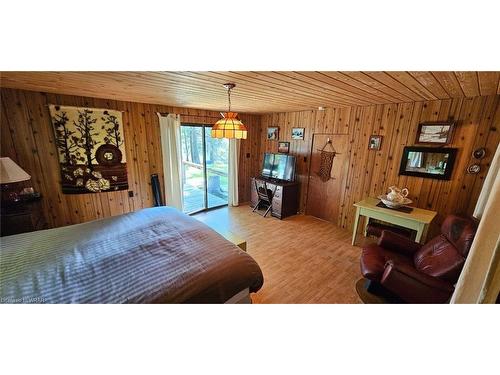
(298, 133)
(375, 142)
(283, 147)
(439, 133)
(273, 133)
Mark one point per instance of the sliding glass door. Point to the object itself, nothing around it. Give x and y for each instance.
(204, 169)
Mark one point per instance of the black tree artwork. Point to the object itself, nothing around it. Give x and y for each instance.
(112, 129)
(91, 149)
(65, 139)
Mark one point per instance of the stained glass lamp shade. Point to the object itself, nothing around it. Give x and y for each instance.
(229, 126)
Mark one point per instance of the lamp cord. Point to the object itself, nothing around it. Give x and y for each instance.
(229, 98)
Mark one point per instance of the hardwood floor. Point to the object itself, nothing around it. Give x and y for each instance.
(304, 259)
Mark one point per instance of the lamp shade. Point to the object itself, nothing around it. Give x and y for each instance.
(229, 127)
(10, 172)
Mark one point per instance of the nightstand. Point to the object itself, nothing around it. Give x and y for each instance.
(23, 216)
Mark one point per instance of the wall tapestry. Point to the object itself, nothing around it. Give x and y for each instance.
(91, 149)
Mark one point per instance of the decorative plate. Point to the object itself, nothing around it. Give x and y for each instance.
(473, 169)
(392, 204)
(479, 153)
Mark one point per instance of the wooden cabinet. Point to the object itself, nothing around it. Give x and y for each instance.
(286, 197)
(21, 217)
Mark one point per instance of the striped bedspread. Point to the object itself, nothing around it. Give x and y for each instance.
(155, 255)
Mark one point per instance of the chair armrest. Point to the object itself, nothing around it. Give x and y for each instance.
(414, 286)
(397, 243)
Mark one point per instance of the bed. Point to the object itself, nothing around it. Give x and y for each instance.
(154, 255)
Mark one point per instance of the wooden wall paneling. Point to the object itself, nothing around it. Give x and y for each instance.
(353, 175)
(468, 131)
(486, 136)
(324, 198)
(28, 138)
(370, 173)
(43, 138)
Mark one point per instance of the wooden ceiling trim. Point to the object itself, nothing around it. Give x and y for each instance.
(360, 85)
(450, 83)
(469, 83)
(366, 79)
(488, 82)
(387, 80)
(427, 80)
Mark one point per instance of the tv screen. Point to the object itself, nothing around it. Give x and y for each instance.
(279, 166)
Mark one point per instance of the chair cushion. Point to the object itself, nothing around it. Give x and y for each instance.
(460, 232)
(439, 258)
(374, 258)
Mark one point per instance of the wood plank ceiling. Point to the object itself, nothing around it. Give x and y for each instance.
(261, 92)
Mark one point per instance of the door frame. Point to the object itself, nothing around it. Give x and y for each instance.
(205, 174)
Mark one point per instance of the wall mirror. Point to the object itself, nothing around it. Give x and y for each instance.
(428, 162)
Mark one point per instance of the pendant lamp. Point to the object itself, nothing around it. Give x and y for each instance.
(229, 126)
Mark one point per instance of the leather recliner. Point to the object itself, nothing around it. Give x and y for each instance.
(420, 273)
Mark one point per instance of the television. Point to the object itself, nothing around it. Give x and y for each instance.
(279, 167)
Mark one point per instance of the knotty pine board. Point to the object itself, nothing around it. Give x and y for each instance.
(27, 138)
(372, 172)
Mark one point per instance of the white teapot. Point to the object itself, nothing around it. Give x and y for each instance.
(397, 195)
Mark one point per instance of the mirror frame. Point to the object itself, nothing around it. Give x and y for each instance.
(452, 153)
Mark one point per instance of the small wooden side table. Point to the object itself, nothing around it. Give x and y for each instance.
(418, 220)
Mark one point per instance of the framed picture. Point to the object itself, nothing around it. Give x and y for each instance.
(375, 142)
(435, 133)
(298, 133)
(428, 162)
(283, 147)
(273, 133)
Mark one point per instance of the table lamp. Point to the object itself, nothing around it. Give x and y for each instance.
(10, 174)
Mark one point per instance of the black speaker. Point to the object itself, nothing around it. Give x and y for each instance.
(155, 185)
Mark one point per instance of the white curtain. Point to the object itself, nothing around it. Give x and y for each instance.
(234, 159)
(488, 185)
(479, 281)
(170, 132)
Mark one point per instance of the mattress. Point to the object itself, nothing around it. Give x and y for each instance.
(155, 255)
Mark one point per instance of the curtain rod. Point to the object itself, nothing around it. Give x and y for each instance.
(79, 106)
(185, 115)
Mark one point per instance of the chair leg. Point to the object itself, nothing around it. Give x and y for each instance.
(256, 206)
(267, 211)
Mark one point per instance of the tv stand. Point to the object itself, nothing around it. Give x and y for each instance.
(286, 196)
